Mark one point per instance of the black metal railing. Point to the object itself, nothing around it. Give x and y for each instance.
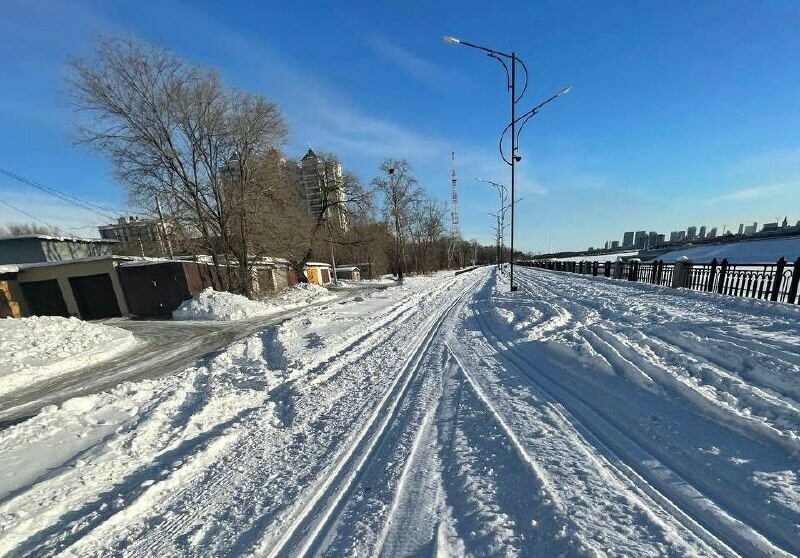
(777, 282)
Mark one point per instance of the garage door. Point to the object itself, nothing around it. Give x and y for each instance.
(44, 298)
(95, 296)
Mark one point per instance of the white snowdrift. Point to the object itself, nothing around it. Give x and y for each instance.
(747, 252)
(223, 306)
(37, 348)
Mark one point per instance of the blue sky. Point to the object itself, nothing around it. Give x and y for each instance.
(681, 113)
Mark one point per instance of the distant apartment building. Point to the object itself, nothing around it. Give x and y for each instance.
(318, 179)
(615, 244)
(691, 233)
(640, 240)
(702, 234)
(627, 240)
(770, 227)
(712, 233)
(131, 229)
(660, 239)
(741, 228)
(751, 229)
(652, 239)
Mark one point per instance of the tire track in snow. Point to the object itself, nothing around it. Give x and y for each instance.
(684, 499)
(92, 531)
(218, 487)
(307, 531)
(757, 408)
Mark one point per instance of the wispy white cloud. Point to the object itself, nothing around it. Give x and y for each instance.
(415, 66)
(753, 193)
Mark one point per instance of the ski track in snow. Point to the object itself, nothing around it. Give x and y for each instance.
(576, 417)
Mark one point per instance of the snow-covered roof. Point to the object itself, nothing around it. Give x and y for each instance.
(58, 238)
(317, 264)
(9, 269)
(150, 261)
(347, 268)
(24, 266)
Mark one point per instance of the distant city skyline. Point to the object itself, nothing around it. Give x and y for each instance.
(644, 239)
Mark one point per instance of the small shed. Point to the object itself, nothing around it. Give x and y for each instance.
(349, 272)
(318, 273)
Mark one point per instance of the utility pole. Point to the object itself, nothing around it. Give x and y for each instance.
(163, 228)
(333, 255)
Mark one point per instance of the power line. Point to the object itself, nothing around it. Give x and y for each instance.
(63, 196)
(51, 227)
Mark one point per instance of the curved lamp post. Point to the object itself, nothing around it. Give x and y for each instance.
(511, 84)
(503, 193)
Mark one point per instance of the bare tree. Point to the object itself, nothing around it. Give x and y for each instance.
(426, 229)
(171, 129)
(23, 229)
(399, 190)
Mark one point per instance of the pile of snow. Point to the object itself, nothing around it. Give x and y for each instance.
(37, 348)
(223, 306)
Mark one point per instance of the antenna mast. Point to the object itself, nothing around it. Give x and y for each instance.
(454, 230)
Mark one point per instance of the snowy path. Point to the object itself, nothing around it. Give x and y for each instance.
(575, 417)
(163, 347)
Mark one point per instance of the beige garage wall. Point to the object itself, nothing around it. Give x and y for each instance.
(62, 273)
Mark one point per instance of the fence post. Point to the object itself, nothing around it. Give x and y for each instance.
(710, 283)
(795, 281)
(777, 279)
(617, 269)
(594, 269)
(633, 270)
(658, 271)
(607, 269)
(680, 276)
(723, 272)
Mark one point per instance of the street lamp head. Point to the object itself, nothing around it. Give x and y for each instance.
(566, 90)
(450, 41)
(517, 158)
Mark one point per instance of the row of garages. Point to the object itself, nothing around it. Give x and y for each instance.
(111, 286)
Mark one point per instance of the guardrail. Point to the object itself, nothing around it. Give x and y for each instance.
(777, 282)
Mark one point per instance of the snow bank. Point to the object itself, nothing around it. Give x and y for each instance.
(748, 252)
(40, 347)
(223, 306)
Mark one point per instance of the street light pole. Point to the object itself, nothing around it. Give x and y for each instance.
(511, 82)
(513, 155)
(502, 191)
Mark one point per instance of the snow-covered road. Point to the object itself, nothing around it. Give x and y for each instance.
(577, 416)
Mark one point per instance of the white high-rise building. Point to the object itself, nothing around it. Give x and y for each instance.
(320, 179)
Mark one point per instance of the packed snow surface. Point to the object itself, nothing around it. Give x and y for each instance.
(37, 348)
(745, 252)
(223, 306)
(446, 416)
